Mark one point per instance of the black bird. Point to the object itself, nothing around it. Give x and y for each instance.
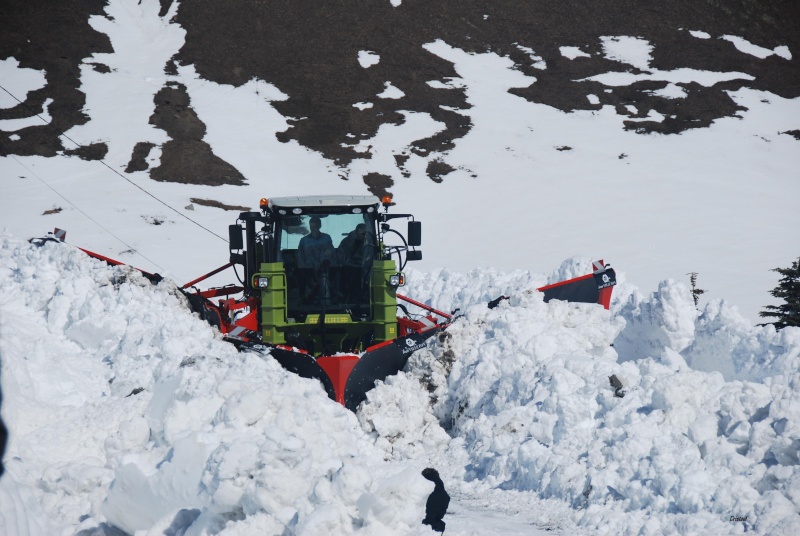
(438, 501)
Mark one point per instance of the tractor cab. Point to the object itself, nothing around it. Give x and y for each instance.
(322, 270)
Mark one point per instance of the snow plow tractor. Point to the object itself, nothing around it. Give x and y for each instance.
(318, 290)
(319, 285)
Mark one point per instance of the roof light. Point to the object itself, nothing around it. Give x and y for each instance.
(386, 200)
(264, 203)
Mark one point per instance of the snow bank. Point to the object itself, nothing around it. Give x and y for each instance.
(707, 429)
(125, 410)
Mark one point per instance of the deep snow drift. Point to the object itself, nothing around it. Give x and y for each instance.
(127, 411)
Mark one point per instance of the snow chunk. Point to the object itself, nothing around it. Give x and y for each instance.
(448, 83)
(634, 51)
(759, 52)
(683, 75)
(12, 125)
(19, 81)
(391, 92)
(363, 105)
(700, 35)
(593, 99)
(538, 61)
(573, 52)
(670, 91)
(367, 58)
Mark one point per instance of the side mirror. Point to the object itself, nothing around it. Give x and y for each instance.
(414, 256)
(415, 233)
(235, 237)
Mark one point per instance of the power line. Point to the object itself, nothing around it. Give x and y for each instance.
(49, 123)
(76, 207)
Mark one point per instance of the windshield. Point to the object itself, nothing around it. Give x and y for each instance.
(337, 226)
(328, 261)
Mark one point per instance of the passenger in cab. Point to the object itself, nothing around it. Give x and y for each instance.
(355, 248)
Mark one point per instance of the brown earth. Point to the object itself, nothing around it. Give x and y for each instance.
(309, 51)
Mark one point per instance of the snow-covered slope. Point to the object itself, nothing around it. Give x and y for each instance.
(127, 411)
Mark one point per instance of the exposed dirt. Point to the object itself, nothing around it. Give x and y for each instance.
(138, 160)
(217, 204)
(378, 184)
(186, 158)
(53, 37)
(93, 151)
(309, 50)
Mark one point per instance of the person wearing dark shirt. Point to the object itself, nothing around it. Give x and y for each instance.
(316, 247)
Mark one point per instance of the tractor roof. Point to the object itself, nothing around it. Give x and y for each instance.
(321, 201)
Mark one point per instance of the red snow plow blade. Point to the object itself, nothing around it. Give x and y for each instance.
(348, 377)
(590, 288)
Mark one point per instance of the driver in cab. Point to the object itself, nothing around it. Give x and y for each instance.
(316, 247)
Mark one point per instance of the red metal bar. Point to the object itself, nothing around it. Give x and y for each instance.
(113, 262)
(109, 260)
(209, 274)
(426, 307)
(221, 291)
(565, 282)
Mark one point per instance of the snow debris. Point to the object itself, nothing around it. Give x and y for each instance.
(35, 120)
(391, 92)
(573, 52)
(743, 45)
(700, 34)
(634, 51)
(538, 61)
(126, 409)
(18, 81)
(670, 91)
(367, 58)
(133, 413)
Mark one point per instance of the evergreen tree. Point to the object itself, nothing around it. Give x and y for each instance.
(788, 290)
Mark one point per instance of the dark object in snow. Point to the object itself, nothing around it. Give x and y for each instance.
(696, 292)
(494, 303)
(3, 437)
(438, 501)
(136, 391)
(619, 389)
